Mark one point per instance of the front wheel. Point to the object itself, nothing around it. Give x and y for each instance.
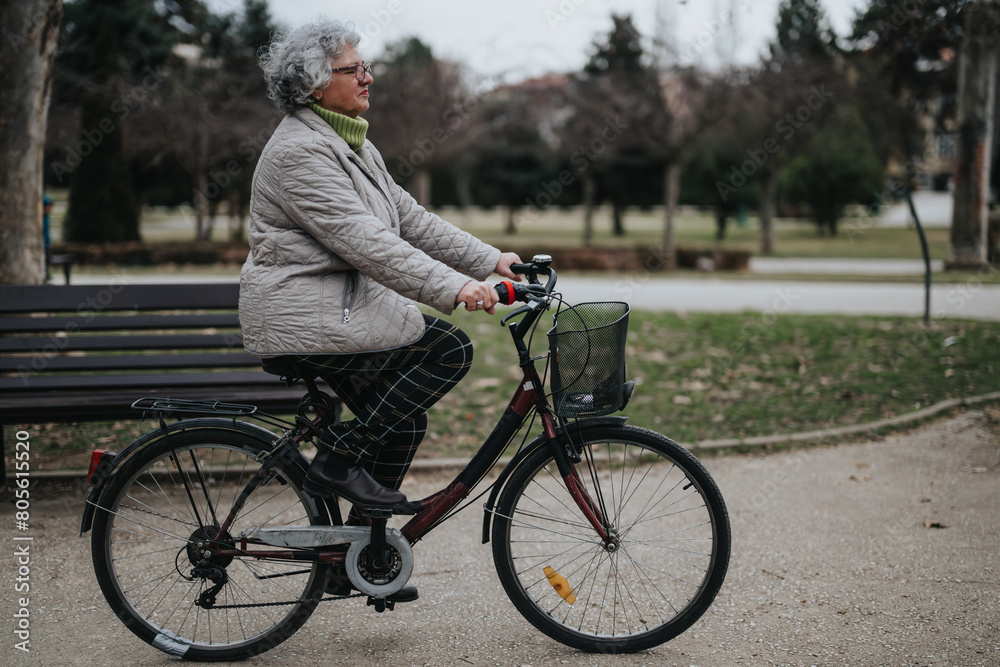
(149, 535)
(665, 562)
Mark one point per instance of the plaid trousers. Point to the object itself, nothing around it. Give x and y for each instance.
(389, 393)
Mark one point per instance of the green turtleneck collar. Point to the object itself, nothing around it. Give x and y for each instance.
(351, 130)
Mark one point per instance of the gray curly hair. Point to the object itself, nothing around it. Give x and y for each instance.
(297, 62)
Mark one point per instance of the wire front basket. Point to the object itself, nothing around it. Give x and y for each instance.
(587, 352)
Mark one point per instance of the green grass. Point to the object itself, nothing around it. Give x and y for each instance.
(793, 237)
(699, 377)
(705, 377)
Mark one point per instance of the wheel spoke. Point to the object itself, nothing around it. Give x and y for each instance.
(149, 568)
(666, 558)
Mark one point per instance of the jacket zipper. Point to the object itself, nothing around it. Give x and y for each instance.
(350, 293)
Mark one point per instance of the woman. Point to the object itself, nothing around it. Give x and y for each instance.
(338, 255)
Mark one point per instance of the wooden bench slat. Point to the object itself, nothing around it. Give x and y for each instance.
(66, 323)
(89, 299)
(147, 330)
(53, 344)
(117, 362)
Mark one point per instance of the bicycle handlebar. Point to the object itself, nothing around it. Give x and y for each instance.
(509, 292)
(521, 268)
(534, 294)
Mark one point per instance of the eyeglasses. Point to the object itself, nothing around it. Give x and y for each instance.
(360, 71)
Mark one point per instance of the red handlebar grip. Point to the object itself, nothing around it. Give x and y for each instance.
(509, 286)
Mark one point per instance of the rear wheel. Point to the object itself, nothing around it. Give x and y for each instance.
(660, 572)
(149, 536)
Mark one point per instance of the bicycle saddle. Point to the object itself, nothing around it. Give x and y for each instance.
(288, 368)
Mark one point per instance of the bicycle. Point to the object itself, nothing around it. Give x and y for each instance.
(606, 537)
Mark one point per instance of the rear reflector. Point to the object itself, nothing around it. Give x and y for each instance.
(100, 460)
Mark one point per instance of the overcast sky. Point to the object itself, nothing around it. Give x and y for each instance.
(518, 39)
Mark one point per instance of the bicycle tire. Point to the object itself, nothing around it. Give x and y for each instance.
(672, 553)
(148, 519)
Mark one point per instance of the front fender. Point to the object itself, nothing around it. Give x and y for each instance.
(253, 430)
(528, 450)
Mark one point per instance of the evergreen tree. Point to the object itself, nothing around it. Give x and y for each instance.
(804, 34)
(908, 59)
(109, 50)
(621, 54)
(838, 167)
(102, 204)
(618, 83)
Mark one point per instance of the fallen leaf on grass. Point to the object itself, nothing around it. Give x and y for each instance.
(933, 524)
(682, 400)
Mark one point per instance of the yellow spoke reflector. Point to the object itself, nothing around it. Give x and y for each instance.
(560, 584)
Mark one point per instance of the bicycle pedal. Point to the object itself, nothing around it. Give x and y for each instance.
(381, 604)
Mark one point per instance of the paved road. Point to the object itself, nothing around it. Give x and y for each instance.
(933, 208)
(971, 300)
(816, 266)
(834, 563)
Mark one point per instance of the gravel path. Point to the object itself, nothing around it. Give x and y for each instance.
(883, 553)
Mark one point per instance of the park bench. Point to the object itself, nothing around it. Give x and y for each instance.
(72, 353)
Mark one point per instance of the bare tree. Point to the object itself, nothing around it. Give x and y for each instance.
(692, 104)
(977, 98)
(27, 49)
(415, 117)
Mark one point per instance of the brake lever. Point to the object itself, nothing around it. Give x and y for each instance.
(528, 307)
(514, 313)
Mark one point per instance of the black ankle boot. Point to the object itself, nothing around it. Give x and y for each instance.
(339, 584)
(331, 473)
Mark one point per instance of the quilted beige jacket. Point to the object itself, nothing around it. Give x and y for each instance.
(339, 253)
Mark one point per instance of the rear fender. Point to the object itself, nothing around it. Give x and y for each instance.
(101, 480)
(541, 441)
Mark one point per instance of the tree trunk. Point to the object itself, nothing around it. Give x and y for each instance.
(463, 186)
(721, 218)
(617, 213)
(589, 192)
(672, 176)
(30, 31)
(421, 184)
(237, 215)
(201, 180)
(511, 224)
(102, 201)
(976, 100)
(765, 211)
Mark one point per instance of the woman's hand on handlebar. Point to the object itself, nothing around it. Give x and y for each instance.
(476, 292)
(503, 266)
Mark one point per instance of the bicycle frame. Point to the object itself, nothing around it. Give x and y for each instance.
(435, 507)
(529, 395)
